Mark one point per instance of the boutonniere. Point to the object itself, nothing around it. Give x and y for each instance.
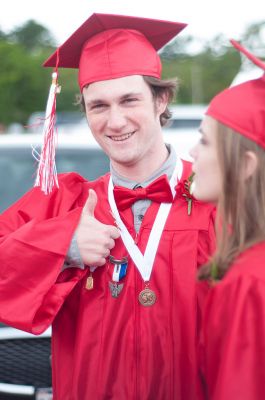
(214, 274)
(184, 189)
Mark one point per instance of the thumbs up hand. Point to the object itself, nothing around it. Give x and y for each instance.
(94, 239)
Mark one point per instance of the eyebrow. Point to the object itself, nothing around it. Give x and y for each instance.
(123, 97)
(131, 94)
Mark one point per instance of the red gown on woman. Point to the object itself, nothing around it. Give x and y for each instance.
(233, 335)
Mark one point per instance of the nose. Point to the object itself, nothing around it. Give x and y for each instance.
(116, 119)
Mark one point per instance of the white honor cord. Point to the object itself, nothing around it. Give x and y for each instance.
(144, 263)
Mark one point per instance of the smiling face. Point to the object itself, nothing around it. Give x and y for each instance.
(206, 166)
(124, 119)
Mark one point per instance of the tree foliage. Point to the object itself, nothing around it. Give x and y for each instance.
(209, 71)
(32, 36)
(22, 83)
(202, 70)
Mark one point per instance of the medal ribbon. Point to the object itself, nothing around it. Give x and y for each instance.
(144, 263)
(119, 270)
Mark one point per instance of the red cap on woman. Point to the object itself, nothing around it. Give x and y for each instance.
(242, 107)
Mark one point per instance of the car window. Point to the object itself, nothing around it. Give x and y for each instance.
(18, 168)
(178, 123)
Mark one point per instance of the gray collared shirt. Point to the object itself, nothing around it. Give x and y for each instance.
(139, 208)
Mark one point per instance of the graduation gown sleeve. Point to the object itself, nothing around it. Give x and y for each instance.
(35, 234)
(233, 339)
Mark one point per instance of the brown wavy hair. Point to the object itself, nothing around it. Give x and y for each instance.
(240, 221)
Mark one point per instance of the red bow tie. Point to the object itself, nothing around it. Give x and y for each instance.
(158, 191)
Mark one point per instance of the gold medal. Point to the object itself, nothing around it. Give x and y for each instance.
(147, 297)
(89, 282)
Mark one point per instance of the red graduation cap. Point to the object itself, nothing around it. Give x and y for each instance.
(109, 46)
(242, 107)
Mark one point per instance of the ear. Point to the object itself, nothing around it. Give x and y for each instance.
(250, 164)
(161, 103)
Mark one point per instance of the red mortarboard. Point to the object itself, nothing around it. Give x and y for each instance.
(110, 46)
(242, 107)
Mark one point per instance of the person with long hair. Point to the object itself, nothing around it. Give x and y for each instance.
(229, 167)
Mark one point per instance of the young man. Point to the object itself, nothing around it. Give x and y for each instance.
(124, 315)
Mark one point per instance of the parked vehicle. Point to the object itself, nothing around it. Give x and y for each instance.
(182, 131)
(25, 370)
(18, 167)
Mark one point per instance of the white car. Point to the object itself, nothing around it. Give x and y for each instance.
(18, 167)
(182, 131)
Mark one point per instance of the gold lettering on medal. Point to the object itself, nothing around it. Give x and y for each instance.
(89, 282)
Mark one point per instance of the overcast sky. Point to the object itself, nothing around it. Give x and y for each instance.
(206, 18)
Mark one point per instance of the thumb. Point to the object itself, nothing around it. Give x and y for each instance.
(91, 203)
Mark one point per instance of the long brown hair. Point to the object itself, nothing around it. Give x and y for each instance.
(240, 219)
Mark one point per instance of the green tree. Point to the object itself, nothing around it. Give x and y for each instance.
(2, 35)
(205, 73)
(253, 37)
(22, 83)
(203, 69)
(32, 36)
(39, 43)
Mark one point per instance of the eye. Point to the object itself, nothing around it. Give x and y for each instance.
(130, 100)
(203, 140)
(97, 107)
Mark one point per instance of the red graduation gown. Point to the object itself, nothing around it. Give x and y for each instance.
(233, 336)
(105, 347)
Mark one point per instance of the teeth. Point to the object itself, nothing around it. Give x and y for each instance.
(122, 137)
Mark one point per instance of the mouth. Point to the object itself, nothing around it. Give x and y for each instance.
(122, 138)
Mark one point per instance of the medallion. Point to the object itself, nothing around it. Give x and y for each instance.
(115, 289)
(117, 269)
(147, 297)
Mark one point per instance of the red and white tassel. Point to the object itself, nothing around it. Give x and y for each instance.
(46, 174)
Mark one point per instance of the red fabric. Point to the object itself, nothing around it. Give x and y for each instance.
(249, 55)
(102, 347)
(157, 32)
(233, 335)
(242, 107)
(158, 191)
(110, 46)
(116, 53)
